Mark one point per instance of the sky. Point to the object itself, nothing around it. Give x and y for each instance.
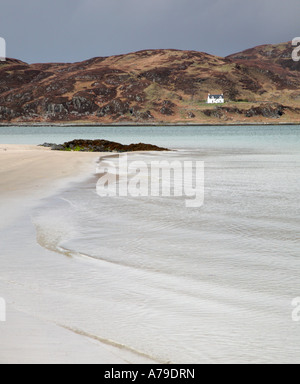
(76, 30)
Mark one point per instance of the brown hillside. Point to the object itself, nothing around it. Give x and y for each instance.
(154, 86)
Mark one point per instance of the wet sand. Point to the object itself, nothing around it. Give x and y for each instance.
(37, 171)
(30, 173)
(27, 175)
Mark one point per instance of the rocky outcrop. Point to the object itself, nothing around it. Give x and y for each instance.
(141, 115)
(101, 146)
(167, 108)
(191, 115)
(115, 108)
(269, 111)
(6, 113)
(273, 111)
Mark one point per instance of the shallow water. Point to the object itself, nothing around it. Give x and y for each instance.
(208, 284)
(275, 137)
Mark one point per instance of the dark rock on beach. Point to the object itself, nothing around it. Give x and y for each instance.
(101, 146)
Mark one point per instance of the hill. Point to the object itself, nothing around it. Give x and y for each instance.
(261, 84)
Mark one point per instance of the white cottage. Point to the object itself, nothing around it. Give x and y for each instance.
(215, 99)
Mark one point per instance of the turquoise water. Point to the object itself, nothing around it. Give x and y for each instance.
(271, 137)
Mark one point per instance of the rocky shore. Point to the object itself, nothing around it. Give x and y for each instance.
(101, 146)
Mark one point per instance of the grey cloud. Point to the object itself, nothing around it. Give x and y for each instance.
(73, 30)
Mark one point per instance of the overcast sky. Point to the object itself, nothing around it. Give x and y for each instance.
(75, 30)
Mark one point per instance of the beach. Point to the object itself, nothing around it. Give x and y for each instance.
(34, 169)
(29, 174)
(126, 279)
(149, 185)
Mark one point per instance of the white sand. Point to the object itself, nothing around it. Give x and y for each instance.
(28, 174)
(39, 170)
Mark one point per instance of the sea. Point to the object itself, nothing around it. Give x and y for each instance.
(215, 283)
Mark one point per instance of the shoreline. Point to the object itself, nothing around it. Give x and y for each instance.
(28, 175)
(63, 125)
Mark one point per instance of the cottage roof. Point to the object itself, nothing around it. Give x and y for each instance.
(216, 96)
